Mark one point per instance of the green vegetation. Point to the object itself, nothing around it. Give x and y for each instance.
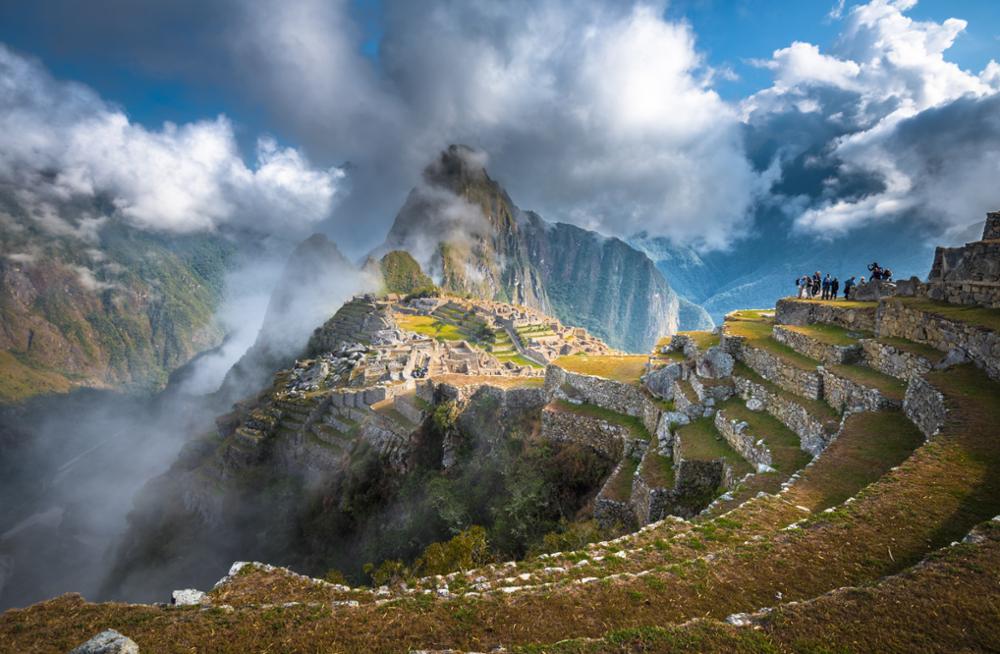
(619, 488)
(700, 441)
(19, 380)
(658, 470)
(786, 453)
(757, 328)
(626, 368)
(429, 326)
(845, 304)
(402, 274)
(817, 408)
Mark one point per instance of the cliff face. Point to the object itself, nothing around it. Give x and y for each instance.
(121, 309)
(465, 229)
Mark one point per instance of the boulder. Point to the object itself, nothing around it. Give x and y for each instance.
(715, 363)
(108, 642)
(188, 597)
(661, 381)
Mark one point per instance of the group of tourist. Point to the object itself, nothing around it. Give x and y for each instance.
(820, 287)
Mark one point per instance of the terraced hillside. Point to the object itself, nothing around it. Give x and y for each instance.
(819, 477)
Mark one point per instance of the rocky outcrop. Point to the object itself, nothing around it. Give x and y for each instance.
(108, 642)
(969, 274)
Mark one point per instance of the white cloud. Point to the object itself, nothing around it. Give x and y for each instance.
(600, 114)
(895, 68)
(59, 141)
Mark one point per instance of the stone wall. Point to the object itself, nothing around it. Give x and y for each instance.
(814, 434)
(806, 383)
(604, 437)
(925, 406)
(789, 311)
(980, 344)
(688, 407)
(651, 503)
(846, 395)
(991, 231)
(737, 434)
(620, 397)
(710, 391)
(814, 349)
(699, 480)
(611, 513)
(893, 361)
(660, 382)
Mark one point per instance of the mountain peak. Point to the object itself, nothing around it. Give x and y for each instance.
(456, 166)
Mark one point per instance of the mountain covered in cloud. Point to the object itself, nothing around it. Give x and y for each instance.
(463, 228)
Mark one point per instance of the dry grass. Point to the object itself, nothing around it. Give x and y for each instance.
(633, 424)
(845, 304)
(19, 381)
(627, 368)
(829, 334)
(889, 386)
(973, 315)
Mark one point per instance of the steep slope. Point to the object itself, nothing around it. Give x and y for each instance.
(464, 228)
(400, 273)
(316, 280)
(114, 307)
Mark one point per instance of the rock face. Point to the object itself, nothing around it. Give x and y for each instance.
(464, 228)
(123, 311)
(969, 274)
(108, 642)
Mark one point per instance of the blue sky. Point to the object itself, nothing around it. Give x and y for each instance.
(729, 33)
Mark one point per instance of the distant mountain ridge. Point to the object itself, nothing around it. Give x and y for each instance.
(465, 230)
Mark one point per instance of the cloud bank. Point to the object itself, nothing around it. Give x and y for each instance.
(60, 141)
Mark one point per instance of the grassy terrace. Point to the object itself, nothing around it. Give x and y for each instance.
(889, 386)
(786, 453)
(429, 326)
(829, 334)
(658, 470)
(627, 368)
(972, 315)
(757, 328)
(701, 442)
(817, 408)
(620, 486)
(633, 424)
(491, 380)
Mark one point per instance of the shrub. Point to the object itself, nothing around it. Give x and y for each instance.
(466, 550)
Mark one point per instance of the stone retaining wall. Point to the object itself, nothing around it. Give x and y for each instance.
(846, 395)
(790, 311)
(813, 434)
(692, 409)
(604, 437)
(697, 480)
(711, 392)
(814, 349)
(925, 406)
(893, 361)
(611, 513)
(978, 343)
(806, 383)
(737, 434)
(651, 503)
(614, 396)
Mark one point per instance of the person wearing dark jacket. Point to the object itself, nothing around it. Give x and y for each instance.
(834, 287)
(826, 287)
(816, 283)
(848, 285)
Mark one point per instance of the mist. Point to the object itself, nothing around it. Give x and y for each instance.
(71, 466)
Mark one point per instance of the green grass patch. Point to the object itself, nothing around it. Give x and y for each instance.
(919, 349)
(429, 326)
(817, 408)
(19, 380)
(700, 441)
(620, 486)
(703, 339)
(845, 304)
(657, 470)
(786, 452)
(757, 329)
